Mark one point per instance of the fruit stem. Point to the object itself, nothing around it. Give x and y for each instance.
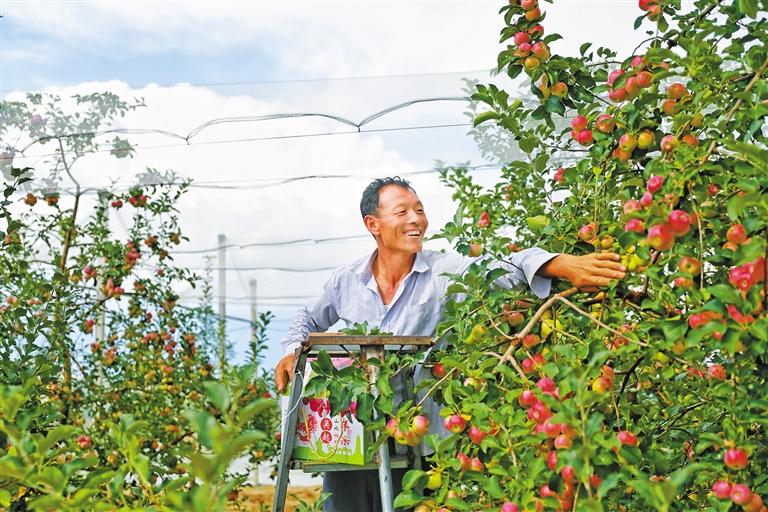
(701, 248)
(435, 386)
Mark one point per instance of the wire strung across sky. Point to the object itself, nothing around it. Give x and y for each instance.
(247, 119)
(276, 182)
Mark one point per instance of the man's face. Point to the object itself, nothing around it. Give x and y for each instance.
(400, 221)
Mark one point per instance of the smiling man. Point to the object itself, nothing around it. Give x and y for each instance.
(401, 289)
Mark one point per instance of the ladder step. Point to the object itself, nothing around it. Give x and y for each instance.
(308, 466)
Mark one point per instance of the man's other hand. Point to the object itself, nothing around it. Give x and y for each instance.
(284, 372)
(587, 272)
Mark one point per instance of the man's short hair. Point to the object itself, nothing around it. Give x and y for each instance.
(370, 200)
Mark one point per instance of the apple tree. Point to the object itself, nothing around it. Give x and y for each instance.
(649, 394)
(98, 361)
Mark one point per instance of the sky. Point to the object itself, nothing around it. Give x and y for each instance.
(194, 62)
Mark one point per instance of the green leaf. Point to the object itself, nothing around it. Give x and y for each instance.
(485, 116)
(537, 222)
(455, 288)
(493, 488)
(51, 477)
(218, 394)
(54, 436)
(726, 293)
(324, 362)
(412, 478)
(584, 47)
(364, 408)
(554, 105)
(248, 412)
(748, 7)
(756, 155)
(495, 274)
(141, 466)
(407, 499)
(5, 498)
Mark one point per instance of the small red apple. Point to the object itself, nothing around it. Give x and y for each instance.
(644, 79)
(541, 52)
(463, 460)
(736, 234)
(645, 139)
(476, 435)
(668, 143)
(627, 438)
(605, 123)
(628, 142)
(420, 425)
(679, 222)
(736, 458)
(722, 490)
(579, 123)
(676, 91)
(654, 184)
(84, 441)
(689, 265)
(660, 237)
(740, 494)
(521, 37)
(669, 107)
(587, 232)
(455, 423)
(716, 372)
(438, 370)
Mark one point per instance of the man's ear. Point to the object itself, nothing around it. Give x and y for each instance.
(371, 224)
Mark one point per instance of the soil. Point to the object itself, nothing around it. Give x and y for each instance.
(260, 498)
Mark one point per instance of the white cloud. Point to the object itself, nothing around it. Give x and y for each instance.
(301, 40)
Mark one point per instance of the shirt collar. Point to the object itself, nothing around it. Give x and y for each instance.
(364, 268)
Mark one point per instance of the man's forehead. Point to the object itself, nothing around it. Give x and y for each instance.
(392, 195)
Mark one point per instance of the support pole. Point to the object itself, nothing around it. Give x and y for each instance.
(385, 472)
(222, 303)
(254, 315)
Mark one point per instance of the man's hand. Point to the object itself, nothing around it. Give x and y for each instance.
(284, 372)
(587, 272)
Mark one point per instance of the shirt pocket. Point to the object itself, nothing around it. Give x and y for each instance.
(420, 319)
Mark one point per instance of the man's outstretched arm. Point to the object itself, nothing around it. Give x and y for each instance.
(587, 272)
(317, 317)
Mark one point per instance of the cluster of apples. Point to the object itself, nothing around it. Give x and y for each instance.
(661, 236)
(640, 78)
(737, 459)
(412, 436)
(744, 277)
(529, 50)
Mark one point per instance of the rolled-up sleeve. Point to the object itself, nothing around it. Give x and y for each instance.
(521, 269)
(316, 317)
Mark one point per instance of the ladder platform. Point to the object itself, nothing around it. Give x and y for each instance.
(332, 338)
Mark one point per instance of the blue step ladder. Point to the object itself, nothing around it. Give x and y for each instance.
(340, 345)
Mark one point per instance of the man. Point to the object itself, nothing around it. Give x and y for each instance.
(401, 289)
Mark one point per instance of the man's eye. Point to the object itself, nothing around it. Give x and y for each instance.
(420, 210)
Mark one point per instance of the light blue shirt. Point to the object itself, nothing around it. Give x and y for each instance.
(352, 294)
